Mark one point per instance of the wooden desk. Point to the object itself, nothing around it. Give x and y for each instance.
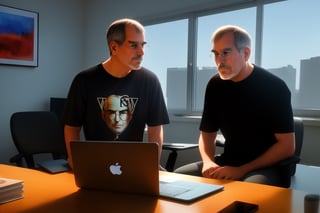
(57, 193)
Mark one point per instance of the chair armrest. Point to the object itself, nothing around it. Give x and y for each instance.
(290, 160)
(219, 143)
(178, 146)
(174, 148)
(289, 165)
(220, 140)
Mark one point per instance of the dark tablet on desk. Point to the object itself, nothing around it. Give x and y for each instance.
(55, 166)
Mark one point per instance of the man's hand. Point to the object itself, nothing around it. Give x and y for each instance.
(208, 169)
(223, 172)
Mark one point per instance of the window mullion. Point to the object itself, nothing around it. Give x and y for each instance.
(191, 66)
(259, 34)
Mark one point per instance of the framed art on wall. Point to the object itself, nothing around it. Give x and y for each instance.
(18, 37)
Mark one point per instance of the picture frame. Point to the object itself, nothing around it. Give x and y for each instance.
(18, 37)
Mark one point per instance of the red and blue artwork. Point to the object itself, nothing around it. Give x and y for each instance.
(16, 37)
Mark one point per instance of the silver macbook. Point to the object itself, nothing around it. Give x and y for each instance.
(130, 167)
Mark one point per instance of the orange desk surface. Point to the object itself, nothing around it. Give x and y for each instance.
(58, 193)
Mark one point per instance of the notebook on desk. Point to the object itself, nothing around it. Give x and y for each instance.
(130, 167)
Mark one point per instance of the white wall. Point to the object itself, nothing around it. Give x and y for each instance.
(60, 57)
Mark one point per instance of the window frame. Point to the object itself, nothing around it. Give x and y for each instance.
(192, 16)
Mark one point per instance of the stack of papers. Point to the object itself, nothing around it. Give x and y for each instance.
(10, 190)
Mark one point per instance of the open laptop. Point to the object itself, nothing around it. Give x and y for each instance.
(130, 167)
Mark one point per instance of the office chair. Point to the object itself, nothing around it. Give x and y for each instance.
(36, 132)
(293, 160)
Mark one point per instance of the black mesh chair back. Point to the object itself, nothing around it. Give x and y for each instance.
(299, 132)
(36, 132)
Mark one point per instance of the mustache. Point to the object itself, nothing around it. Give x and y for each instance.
(223, 66)
(137, 57)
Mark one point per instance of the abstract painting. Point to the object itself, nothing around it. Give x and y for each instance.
(18, 37)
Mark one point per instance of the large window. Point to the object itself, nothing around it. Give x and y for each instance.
(286, 42)
(291, 48)
(166, 55)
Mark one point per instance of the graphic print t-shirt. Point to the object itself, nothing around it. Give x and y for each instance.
(98, 100)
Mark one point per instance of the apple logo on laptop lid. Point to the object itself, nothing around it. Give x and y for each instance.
(115, 169)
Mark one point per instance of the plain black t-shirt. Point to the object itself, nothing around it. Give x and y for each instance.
(248, 113)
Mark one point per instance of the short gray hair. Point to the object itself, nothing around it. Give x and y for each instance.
(117, 30)
(241, 37)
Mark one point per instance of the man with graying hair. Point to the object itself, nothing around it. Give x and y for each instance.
(252, 109)
(120, 75)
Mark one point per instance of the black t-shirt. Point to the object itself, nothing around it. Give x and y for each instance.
(248, 113)
(139, 93)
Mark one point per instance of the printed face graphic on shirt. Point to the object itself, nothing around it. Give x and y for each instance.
(117, 111)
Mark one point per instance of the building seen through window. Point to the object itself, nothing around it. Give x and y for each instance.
(289, 49)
